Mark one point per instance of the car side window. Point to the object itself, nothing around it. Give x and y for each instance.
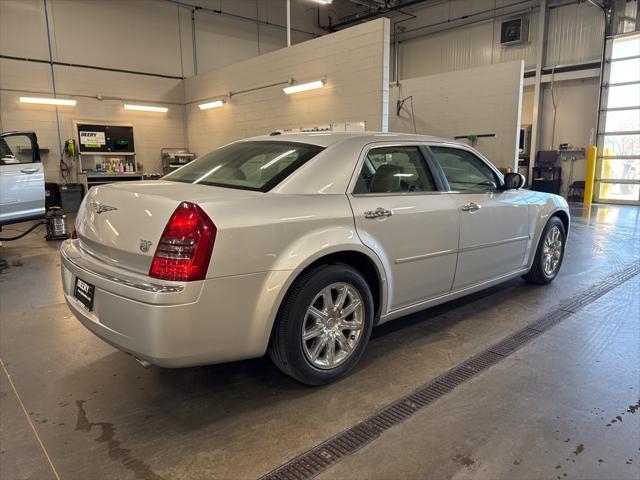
(15, 149)
(464, 170)
(394, 170)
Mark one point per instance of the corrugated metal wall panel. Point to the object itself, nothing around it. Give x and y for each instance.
(574, 35)
(447, 51)
(465, 47)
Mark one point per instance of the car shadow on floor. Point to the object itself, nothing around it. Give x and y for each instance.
(244, 404)
(232, 385)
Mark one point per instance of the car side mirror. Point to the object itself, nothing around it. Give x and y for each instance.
(514, 181)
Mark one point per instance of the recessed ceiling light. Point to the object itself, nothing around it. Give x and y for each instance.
(48, 101)
(214, 104)
(145, 108)
(303, 87)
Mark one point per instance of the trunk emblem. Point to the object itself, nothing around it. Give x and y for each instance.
(101, 207)
(145, 245)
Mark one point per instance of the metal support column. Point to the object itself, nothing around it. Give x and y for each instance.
(536, 127)
(288, 23)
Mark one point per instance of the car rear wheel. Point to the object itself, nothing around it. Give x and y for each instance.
(323, 326)
(549, 254)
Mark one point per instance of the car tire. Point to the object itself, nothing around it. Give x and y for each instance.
(542, 273)
(304, 313)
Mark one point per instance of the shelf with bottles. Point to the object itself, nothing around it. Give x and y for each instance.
(111, 165)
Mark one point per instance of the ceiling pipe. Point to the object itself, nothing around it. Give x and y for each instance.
(396, 46)
(53, 80)
(377, 13)
(288, 23)
(193, 40)
(214, 11)
(515, 8)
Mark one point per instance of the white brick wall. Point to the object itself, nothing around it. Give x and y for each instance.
(474, 101)
(355, 62)
(141, 35)
(152, 131)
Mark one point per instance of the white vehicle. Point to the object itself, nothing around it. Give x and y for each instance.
(21, 178)
(298, 245)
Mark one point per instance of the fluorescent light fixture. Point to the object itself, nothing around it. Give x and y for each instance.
(48, 101)
(303, 87)
(214, 104)
(145, 108)
(324, 2)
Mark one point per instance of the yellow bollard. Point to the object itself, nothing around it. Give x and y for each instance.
(591, 175)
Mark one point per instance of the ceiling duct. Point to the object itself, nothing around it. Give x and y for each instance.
(382, 8)
(377, 4)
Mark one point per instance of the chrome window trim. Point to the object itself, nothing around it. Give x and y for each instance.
(466, 148)
(396, 194)
(373, 145)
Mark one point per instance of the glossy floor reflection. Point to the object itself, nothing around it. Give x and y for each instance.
(542, 413)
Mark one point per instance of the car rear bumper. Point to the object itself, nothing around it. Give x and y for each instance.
(172, 324)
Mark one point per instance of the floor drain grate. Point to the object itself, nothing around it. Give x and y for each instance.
(312, 462)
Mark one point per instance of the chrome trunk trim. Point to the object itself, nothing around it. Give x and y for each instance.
(146, 286)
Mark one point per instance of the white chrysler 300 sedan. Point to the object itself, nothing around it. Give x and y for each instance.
(297, 245)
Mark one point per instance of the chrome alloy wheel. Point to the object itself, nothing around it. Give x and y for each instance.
(552, 251)
(333, 325)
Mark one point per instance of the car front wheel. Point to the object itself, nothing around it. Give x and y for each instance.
(324, 325)
(549, 254)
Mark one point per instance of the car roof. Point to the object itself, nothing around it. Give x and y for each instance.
(325, 139)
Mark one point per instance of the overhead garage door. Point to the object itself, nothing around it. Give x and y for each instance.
(619, 132)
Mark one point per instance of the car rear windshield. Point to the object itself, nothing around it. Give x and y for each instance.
(256, 166)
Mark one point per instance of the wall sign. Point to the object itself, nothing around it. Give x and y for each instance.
(93, 139)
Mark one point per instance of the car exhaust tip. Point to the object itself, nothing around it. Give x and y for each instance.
(144, 363)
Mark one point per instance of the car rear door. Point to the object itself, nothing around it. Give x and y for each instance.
(494, 223)
(21, 178)
(403, 213)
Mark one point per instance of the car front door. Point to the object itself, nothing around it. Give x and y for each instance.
(21, 178)
(403, 213)
(494, 223)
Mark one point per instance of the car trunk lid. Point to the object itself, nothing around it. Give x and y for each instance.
(121, 224)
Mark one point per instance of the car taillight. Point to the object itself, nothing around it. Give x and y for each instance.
(185, 247)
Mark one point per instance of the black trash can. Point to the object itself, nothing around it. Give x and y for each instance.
(51, 195)
(70, 197)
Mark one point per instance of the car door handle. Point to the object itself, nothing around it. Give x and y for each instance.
(471, 207)
(378, 212)
(29, 170)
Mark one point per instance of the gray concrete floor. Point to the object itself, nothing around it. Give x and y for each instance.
(547, 411)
